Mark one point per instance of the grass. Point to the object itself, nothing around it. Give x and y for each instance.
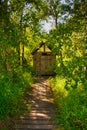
(71, 112)
(12, 92)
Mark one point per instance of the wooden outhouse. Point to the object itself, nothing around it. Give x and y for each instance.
(43, 60)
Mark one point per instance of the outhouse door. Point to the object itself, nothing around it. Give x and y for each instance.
(46, 64)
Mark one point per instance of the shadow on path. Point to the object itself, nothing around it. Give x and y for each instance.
(42, 108)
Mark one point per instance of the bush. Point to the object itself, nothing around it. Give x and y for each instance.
(74, 110)
(12, 90)
(71, 105)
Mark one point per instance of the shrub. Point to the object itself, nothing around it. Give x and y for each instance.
(12, 90)
(74, 110)
(71, 104)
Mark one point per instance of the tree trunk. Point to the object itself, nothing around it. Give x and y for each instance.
(18, 50)
(22, 54)
(56, 20)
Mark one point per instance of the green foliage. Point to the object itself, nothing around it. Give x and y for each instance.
(68, 40)
(12, 90)
(20, 27)
(74, 110)
(15, 63)
(71, 104)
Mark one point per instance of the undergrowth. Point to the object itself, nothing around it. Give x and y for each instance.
(12, 90)
(71, 104)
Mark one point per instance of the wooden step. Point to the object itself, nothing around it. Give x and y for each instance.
(36, 122)
(36, 117)
(41, 111)
(40, 127)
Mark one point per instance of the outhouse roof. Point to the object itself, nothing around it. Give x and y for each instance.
(40, 45)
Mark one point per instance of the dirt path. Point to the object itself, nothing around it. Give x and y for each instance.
(41, 115)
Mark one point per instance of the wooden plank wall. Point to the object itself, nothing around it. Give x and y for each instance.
(42, 63)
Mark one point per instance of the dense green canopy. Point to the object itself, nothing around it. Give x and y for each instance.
(21, 31)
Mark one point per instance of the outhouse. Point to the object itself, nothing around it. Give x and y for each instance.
(43, 60)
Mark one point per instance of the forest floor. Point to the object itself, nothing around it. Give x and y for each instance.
(42, 110)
